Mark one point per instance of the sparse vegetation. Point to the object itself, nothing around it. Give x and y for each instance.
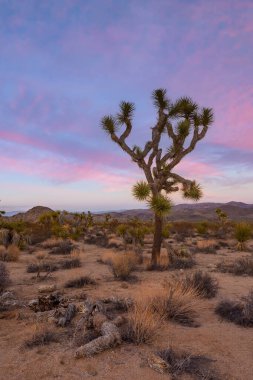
(4, 277)
(243, 232)
(207, 246)
(178, 363)
(238, 312)
(43, 267)
(80, 282)
(181, 302)
(122, 265)
(71, 263)
(240, 267)
(143, 324)
(11, 253)
(182, 263)
(42, 337)
(204, 283)
(64, 247)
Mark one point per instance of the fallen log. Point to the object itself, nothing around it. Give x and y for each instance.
(68, 316)
(111, 337)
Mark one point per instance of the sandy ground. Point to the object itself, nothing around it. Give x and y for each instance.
(229, 345)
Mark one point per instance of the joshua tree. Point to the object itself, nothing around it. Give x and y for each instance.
(183, 124)
(222, 216)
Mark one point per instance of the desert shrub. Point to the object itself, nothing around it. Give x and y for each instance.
(122, 265)
(238, 312)
(207, 246)
(180, 363)
(41, 338)
(243, 232)
(11, 253)
(161, 266)
(239, 267)
(51, 243)
(181, 302)
(202, 228)
(107, 257)
(182, 228)
(173, 301)
(43, 267)
(71, 263)
(4, 276)
(205, 285)
(80, 282)
(143, 324)
(182, 263)
(64, 248)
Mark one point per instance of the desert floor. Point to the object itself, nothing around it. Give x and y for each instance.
(229, 345)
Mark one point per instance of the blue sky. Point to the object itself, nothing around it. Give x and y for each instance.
(65, 64)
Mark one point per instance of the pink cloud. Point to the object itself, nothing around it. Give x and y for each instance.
(193, 169)
(59, 171)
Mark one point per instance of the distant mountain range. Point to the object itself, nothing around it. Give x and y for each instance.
(195, 212)
(188, 212)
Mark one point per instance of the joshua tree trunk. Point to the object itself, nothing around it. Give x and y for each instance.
(156, 249)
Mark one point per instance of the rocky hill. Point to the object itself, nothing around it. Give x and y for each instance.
(31, 215)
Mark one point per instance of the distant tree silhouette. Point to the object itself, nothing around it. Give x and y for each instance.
(2, 212)
(183, 124)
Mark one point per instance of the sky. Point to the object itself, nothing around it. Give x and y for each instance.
(64, 64)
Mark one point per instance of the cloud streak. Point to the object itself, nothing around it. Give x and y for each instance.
(65, 64)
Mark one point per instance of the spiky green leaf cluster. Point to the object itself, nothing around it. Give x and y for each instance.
(141, 190)
(193, 191)
(207, 116)
(108, 124)
(160, 205)
(159, 98)
(183, 128)
(126, 112)
(183, 107)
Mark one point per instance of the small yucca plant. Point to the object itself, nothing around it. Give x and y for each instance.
(243, 233)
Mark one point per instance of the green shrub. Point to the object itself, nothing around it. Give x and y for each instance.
(243, 232)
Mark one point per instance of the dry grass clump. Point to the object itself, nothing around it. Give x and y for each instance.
(11, 253)
(241, 266)
(173, 301)
(207, 246)
(181, 302)
(51, 243)
(41, 337)
(4, 276)
(80, 282)
(123, 264)
(71, 263)
(43, 267)
(182, 263)
(143, 324)
(64, 247)
(179, 363)
(107, 257)
(204, 283)
(238, 312)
